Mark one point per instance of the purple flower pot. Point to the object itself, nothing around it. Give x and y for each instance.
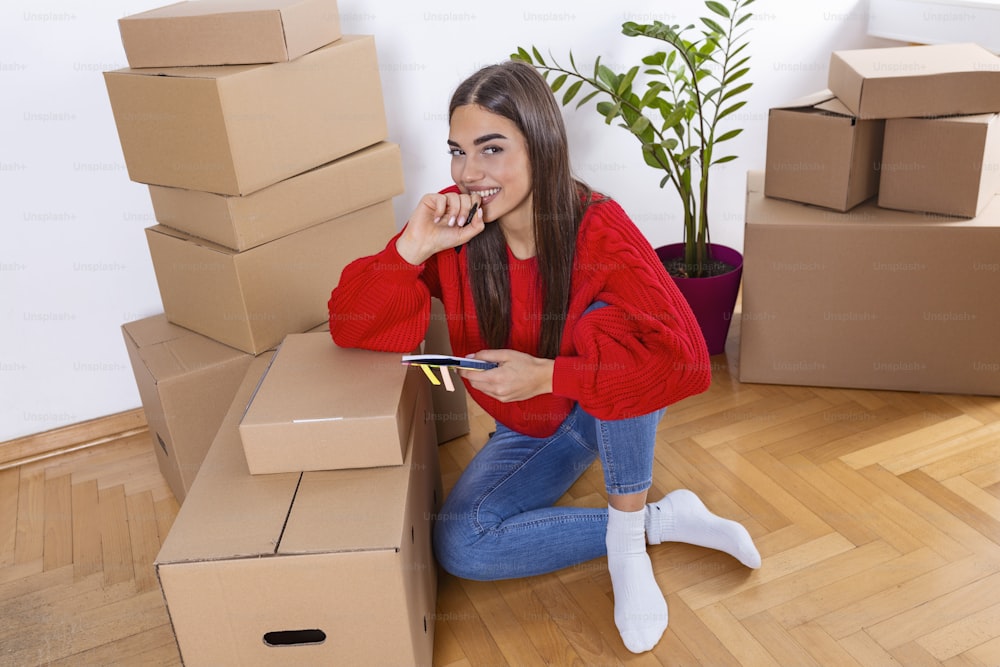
(712, 299)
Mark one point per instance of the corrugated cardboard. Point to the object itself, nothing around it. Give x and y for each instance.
(224, 32)
(251, 300)
(186, 383)
(346, 553)
(871, 299)
(947, 165)
(819, 153)
(323, 407)
(235, 129)
(451, 408)
(910, 81)
(360, 179)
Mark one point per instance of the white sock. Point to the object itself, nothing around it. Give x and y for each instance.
(640, 610)
(682, 517)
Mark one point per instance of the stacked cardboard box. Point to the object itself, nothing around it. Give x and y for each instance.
(317, 567)
(260, 131)
(877, 268)
(261, 134)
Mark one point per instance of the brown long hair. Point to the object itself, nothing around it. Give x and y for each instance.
(516, 91)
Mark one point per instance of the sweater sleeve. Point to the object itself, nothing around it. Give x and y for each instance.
(644, 349)
(382, 302)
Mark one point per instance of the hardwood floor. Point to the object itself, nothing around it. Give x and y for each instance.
(877, 515)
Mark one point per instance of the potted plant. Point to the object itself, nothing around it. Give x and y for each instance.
(690, 87)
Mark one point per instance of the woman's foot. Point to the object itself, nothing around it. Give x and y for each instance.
(640, 609)
(682, 517)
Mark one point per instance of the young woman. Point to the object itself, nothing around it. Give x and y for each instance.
(593, 340)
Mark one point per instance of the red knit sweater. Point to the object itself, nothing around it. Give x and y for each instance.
(642, 352)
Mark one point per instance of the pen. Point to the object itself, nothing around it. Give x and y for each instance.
(472, 212)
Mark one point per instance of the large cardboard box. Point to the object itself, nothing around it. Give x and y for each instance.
(945, 165)
(323, 407)
(819, 153)
(235, 129)
(316, 568)
(871, 299)
(251, 300)
(909, 81)
(369, 176)
(223, 32)
(186, 384)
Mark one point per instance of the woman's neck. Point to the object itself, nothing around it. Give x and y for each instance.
(520, 237)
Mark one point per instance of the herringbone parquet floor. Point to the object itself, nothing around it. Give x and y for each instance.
(877, 515)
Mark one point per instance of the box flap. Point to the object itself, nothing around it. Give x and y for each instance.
(152, 330)
(209, 7)
(929, 60)
(823, 100)
(238, 514)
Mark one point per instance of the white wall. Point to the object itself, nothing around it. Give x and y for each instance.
(74, 265)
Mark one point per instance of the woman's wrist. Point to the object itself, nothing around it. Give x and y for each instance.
(405, 249)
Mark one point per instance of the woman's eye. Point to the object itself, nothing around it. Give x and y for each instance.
(455, 152)
(492, 150)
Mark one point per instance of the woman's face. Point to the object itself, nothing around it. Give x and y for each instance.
(489, 157)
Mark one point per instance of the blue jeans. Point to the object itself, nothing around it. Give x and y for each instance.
(499, 521)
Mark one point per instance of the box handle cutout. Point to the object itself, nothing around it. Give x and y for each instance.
(294, 637)
(413, 539)
(163, 445)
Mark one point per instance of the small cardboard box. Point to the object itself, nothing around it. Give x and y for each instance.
(360, 179)
(186, 383)
(235, 129)
(323, 407)
(223, 32)
(819, 153)
(870, 299)
(910, 81)
(946, 165)
(315, 568)
(251, 300)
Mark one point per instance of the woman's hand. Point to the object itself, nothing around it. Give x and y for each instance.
(438, 223)
(518, 377)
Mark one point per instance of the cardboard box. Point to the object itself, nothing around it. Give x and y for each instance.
(360, 179)
(251, 300)
(223, 32)
(323, 407)
(869, 299)
(946, 165)
(909, 81)
(235, 129)
(316, 568)
(819, 153)
(451, 408)
(186, 384)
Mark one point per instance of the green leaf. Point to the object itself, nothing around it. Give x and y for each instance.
(538, 56)
(640, 125)
(607, 76)
(523, 55)
(626, 81)
(589, 96)
(735, 75)
(728, 110)
(557, 84)
(718, 8)
(721, 160)
(655, 88)
(736, 91)
(571, 92)
(728, 135)
(713, 26)
(657, 58)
